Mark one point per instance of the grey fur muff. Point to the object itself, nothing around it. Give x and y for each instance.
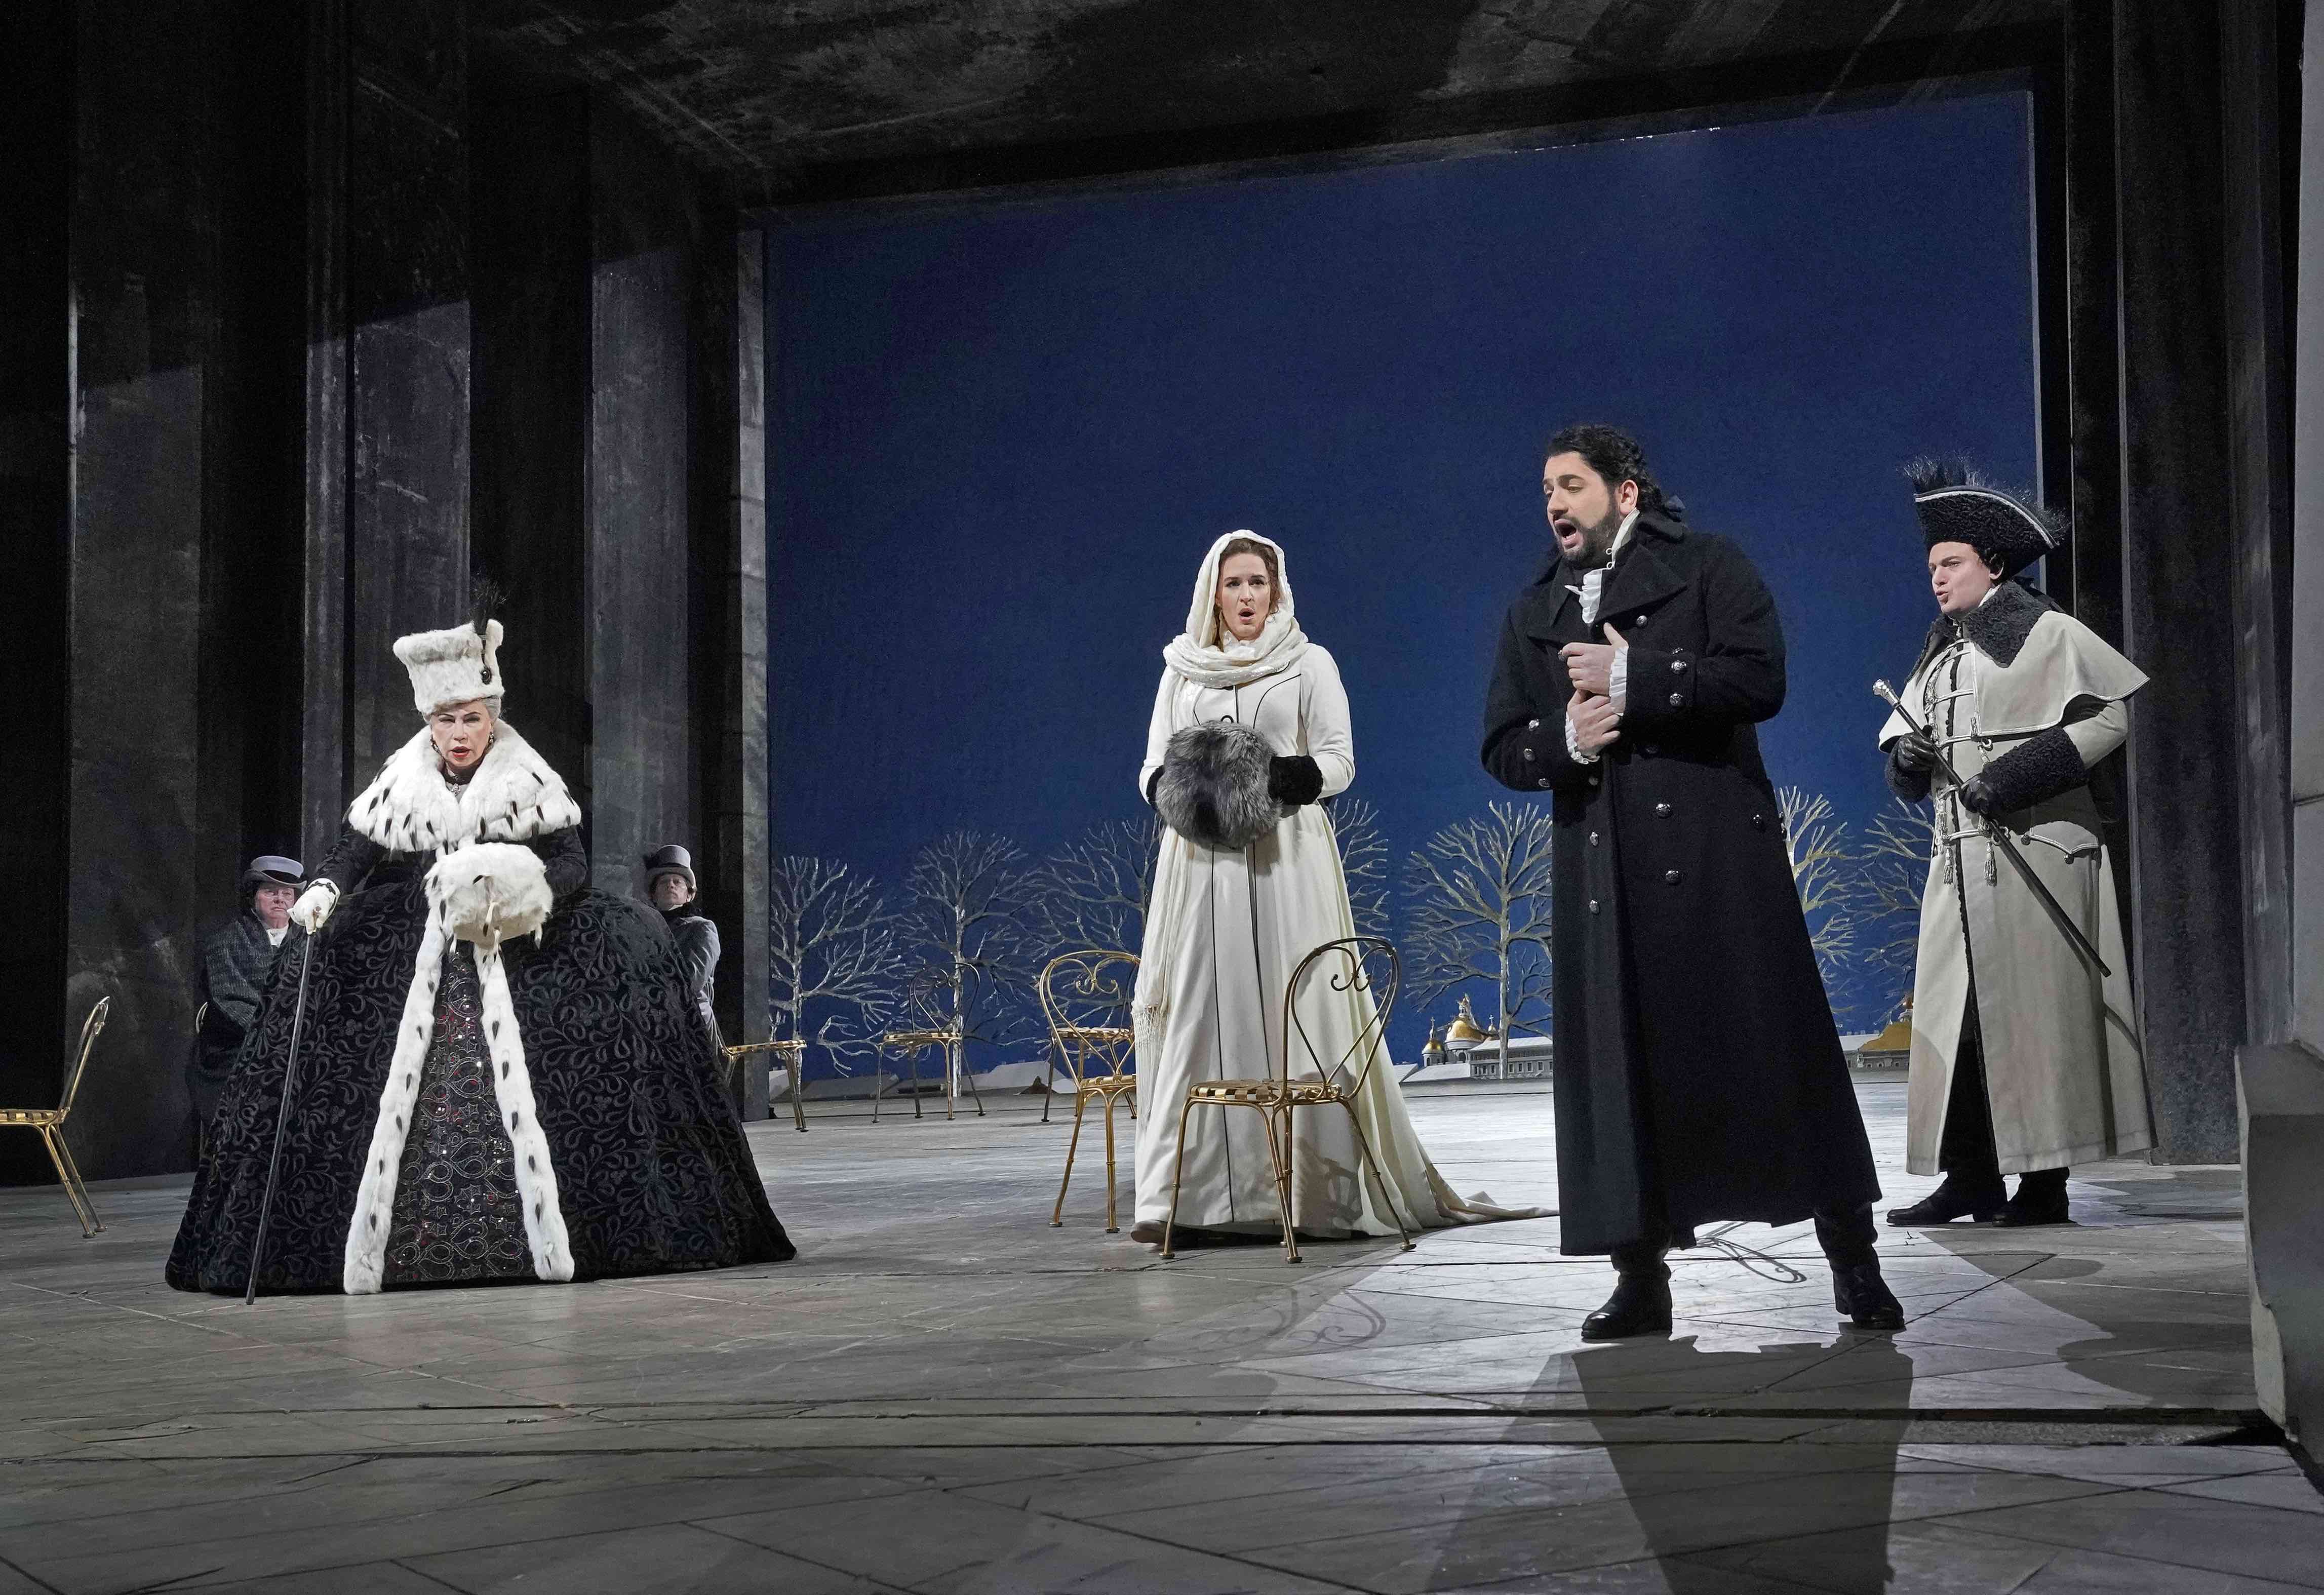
(1213, 789)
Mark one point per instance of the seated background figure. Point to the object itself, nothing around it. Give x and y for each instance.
(237, 962)
(670, 887)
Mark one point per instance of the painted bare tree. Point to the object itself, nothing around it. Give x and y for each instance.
(967, 931)
(1363, 860)
(832, 953)
(1892, 872)
(1823, 870)
(1479, 894)
(1092, 893)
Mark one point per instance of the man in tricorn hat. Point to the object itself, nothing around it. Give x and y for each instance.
(2024, 1060)
(670, 885)
(237, 962)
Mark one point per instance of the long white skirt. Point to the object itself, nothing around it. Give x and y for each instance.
(1224, 933)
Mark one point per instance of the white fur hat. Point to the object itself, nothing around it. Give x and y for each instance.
(452, 666)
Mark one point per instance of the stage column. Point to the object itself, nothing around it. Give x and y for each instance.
(2186, 846)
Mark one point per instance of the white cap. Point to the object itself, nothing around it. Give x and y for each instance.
(452, 667)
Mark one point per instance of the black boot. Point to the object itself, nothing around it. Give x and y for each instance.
(1641, 1302)
(2041, 1199)
(1977, 1200)
(1847, 1236)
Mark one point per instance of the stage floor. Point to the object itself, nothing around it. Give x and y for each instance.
(944, 1394)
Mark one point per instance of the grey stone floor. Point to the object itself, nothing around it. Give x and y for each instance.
(944, 1394)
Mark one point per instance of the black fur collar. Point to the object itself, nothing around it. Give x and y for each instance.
(1999, 626)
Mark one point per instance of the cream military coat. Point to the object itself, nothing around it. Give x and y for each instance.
(2064, 1072)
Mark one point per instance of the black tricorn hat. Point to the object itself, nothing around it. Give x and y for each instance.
(1956, 507)
(672, 859)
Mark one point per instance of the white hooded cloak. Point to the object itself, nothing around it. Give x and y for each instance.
(1223, 933)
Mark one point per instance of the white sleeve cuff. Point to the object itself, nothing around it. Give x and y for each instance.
(1574, 743)
(1617, 679)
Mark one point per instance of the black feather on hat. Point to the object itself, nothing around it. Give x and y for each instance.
(1956, 506)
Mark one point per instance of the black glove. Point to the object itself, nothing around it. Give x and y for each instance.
(1295, 781)
(1977, 795)
(1914, 751)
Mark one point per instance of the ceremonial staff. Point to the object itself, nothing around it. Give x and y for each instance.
(282, 1119)
(1999, 838)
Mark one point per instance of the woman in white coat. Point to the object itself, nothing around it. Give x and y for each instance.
(1227, 926)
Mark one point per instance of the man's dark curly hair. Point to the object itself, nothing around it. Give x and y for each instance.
(1615, 456)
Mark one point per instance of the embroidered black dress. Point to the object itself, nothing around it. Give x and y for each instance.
(457, 1213)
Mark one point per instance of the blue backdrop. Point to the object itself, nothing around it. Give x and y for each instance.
(1002, 438)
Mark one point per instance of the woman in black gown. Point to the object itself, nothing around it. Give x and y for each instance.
(500, 1075)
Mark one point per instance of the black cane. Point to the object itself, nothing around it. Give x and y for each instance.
(2007, 849)
(281, 1121)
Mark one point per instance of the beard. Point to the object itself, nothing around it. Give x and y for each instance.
(1597, 541)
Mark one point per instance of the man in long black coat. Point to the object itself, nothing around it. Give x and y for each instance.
(1699, 1074)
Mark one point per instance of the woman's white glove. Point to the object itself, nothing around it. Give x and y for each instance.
(491, 892)
(314, 906)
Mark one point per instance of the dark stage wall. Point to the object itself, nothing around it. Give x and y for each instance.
(1005, 434)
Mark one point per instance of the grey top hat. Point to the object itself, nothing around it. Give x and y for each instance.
(272, 869)
(672, 859)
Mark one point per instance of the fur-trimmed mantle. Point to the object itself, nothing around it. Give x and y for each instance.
(513, 797)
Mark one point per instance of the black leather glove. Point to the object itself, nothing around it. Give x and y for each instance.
(1977, 795)
(1295, 781)
(1914, 751)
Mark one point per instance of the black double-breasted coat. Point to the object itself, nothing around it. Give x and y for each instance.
(1699, 1074)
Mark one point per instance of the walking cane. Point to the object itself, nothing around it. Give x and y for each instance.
(281, 1121)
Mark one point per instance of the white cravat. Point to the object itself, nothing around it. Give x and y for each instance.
(275, 933)
(1617, 679)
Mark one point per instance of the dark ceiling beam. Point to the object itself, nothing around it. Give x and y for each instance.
(1820, 81)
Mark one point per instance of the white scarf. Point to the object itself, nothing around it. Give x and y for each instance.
(1196, 654)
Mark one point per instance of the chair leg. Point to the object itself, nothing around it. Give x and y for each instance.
(1050, 1090)
(1278, 1154)
(1178, 1174)
(1057, 1215)
(69, 1177)
(912, 1057)
(1387, 1191)
(798, 1101)
(1112, 1223)
(968, 1074)
(879, 1079)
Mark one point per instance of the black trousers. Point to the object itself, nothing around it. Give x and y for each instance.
(1967, 1150)
(1967, 1147)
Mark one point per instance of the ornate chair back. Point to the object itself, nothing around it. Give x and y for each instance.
(89, 1033)
(1085, 996)
(1365, 970)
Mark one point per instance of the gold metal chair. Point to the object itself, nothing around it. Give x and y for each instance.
(1341, 967)
(51, 1123)
(946, 1040)
(790, 1054)
(1078, 989)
